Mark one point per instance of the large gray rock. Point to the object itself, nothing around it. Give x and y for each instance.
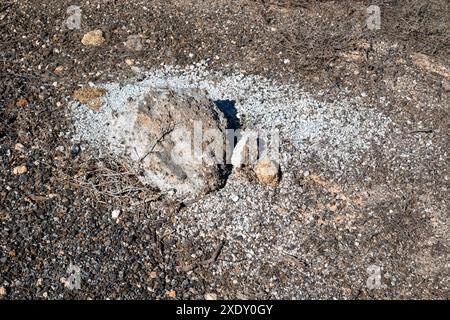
(163, 141)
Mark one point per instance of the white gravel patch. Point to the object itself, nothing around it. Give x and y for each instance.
(336, 132)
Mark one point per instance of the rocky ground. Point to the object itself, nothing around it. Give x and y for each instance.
(363, 119)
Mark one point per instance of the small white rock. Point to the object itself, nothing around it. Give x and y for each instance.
(135, 69)
(115, 214)
(246, 150)
(129, 62)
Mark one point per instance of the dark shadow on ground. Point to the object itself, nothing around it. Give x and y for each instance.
(228, 107)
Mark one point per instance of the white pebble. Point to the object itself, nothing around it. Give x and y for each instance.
(115, 213)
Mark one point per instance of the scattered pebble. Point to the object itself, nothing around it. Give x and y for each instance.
(84, 95)
(267, 172)
(115, 213)
(93, 38)
(59, 69)
(75, 150)
(172, 294)
(19, 147)
(446, 85)
(20, 170)
(135, 69)
(134, 42)
(210, 296)
(90, 96)
(22, 103)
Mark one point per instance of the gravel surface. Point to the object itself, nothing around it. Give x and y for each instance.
(361, 209)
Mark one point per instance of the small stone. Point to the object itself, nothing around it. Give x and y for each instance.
(22, 103)
(75, 150)
(64, 282)
(241, 296)
(129, 62)
(85, 95)
(93, 38)
(115, 213)
(246, 150)
(20, 170)
(267, 172)
(59, 69)
(19, 147)
(90, 96)
(172, 294)
(352, 56)
(235, 198)
(2, 291)
(446, 85)
(210, 296)
(333, 208)
(153, 274)
(136, 69)
(134, 42)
